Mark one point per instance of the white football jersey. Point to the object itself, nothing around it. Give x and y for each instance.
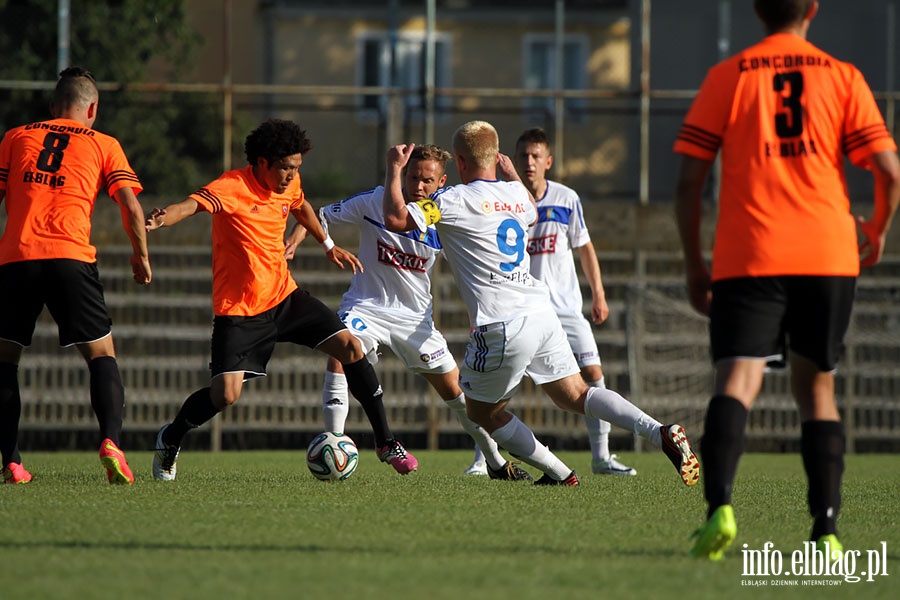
(397, 266)
(560, 228)
(484, 232)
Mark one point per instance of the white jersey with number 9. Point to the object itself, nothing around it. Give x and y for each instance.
(484, 230)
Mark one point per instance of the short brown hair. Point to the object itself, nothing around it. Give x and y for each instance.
(431, 152)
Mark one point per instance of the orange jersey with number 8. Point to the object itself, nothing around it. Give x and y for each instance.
(784, 114)
(52, 172)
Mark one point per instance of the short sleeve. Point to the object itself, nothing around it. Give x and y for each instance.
(701, 133)
(865, 133)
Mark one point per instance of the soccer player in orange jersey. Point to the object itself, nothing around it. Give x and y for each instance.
(256, 301)
(784, 114)
(50, 175)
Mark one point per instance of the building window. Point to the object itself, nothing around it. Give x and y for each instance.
(540, 70)
(374, 67)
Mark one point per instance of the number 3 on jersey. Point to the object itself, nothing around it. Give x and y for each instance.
(790, 122)
(511, 240)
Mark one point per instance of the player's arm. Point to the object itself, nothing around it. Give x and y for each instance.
(590, 266)
(886, 169)
(688, 214)
(133, 223)
(293, 241)
(172, 214)
(2, 195)
(396, 215)
(306, 217)
(507, 170)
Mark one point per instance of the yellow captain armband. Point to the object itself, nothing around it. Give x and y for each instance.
(430, 210)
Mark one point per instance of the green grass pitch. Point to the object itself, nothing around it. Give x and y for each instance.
(257, 525)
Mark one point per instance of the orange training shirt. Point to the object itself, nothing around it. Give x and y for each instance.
(52, 172)
(250, 273)
(784, 114)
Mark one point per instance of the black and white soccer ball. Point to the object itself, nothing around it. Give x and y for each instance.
(332, 456)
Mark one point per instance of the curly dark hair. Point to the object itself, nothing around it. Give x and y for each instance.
(275, 139)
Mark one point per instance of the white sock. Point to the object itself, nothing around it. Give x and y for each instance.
(486, 449)
(335, 401)
(516, 437)
(610, 406)
(598, 430)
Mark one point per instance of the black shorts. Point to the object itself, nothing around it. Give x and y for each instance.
(71, 291)
(761, 317)
(246, 343)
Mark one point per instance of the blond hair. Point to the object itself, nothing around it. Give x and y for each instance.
(478, 142)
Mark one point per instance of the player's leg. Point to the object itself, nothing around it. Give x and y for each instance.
(424, 350)
(602, 462)
(368, 328)
(817, 330)
(22, 309)
(198, 408)
(496, 466)
(83, 321)
(365, 387)
(240, 349)
(108, 402)
(335, 397)
(745, 332)
(497, 357)
(514, 435)
(580, 335)
(554, 368)
(10, 412)
(822, 445)
(479, 463)
(303, 319)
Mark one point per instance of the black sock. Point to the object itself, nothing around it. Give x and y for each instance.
(721, 448)
(364, 386)
(822, 448)
(196, 410)
(107, 396)
(10, 411)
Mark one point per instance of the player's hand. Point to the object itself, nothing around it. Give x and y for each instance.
(140, 266)
(699, 284)
(156, 218)
(338, 256)
(871, 243)
(506, 169)
(599, 310)
(294, 240)
(398, 156)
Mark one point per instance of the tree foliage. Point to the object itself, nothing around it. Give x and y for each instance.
(173, 141)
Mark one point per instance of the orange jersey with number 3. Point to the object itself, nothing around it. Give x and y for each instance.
(784, 114)
(52, 172)
(250, 273)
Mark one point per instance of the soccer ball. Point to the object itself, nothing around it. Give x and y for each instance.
(332, 456)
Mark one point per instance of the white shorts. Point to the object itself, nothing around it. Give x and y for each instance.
(500, 354)
(417, 343)
(581, 338)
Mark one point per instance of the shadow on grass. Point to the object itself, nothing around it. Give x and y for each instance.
(611, 553)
